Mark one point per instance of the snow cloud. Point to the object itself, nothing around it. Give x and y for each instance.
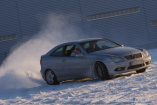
(21, 69)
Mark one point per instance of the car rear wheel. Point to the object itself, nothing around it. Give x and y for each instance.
(101, 71)
(141, 71)
(51, 78)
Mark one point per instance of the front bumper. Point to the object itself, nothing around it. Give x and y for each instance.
(128, 65)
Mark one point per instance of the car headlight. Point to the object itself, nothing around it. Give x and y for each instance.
(117, 59)
(145, 53)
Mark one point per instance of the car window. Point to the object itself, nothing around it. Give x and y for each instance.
(96, 45)
(69, 47)
(86, 45)
(105, 44)
(68, 50)
(57, 52)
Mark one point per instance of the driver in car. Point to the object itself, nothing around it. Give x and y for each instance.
(93, 48)
(76, 51)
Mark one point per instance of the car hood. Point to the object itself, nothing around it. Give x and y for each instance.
(118, 51)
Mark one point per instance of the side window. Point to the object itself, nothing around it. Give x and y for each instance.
(69, 49)
(86, 45)
(58, 52)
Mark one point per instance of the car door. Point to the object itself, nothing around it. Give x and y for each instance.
(56, 61)
(76, 67)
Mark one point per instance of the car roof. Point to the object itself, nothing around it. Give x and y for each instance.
(88, 39)
(83, 40)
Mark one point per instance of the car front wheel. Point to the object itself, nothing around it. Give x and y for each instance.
(101, 71)
(51, 78)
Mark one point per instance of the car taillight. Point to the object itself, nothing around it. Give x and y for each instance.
(40, 61)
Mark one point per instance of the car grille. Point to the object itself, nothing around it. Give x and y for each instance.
(134, 56)
(136, 66)
(139, 65)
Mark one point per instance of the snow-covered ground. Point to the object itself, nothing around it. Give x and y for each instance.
(134, 89)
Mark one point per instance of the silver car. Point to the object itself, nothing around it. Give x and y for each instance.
(97, 58)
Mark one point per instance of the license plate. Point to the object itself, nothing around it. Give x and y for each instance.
(136, 62)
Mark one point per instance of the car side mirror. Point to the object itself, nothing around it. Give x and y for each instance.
(79, 55)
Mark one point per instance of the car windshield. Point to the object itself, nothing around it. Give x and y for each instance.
(96, 45)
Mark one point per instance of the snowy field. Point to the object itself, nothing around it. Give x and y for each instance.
(139, 89)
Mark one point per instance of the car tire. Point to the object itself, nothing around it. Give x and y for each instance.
(51, 78)
(101, 71)
(141, 71)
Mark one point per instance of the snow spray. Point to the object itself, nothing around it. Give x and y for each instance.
(21, 69)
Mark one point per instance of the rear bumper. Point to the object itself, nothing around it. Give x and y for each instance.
(127, 66)
(42, 74)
